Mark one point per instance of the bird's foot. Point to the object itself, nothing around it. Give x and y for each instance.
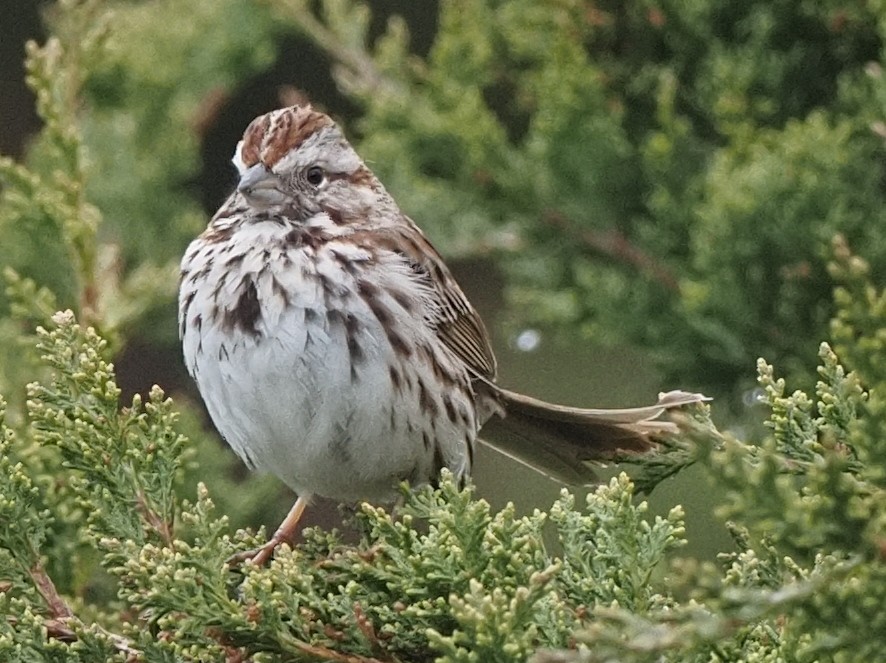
(284, 534)
(257, 556)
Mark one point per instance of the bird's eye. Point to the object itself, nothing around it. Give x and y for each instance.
(315, 175)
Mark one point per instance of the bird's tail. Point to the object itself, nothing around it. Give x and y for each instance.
(557, 440)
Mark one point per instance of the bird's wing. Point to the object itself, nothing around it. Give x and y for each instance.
(448, 311)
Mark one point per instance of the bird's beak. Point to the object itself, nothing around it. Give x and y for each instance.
(256, 177)
(261, 187)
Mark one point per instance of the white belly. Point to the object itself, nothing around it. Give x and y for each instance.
(296, 399)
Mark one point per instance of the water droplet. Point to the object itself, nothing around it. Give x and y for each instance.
(754, 397)
(527, 340)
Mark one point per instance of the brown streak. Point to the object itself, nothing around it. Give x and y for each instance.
(235, 260)
(214, 235)
(395, 379)
(439, 464)
(450, 408)
(427, 402)
(252, 140)
(183, 314)
(309, 237)
(247, 312)
(296, 125)
(403, 300)
(399, 344)
(280, 291)
(469, 444)
(355, 350)
(367, 288)
(369, 292)
(334, 215)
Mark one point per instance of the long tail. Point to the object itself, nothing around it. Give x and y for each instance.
(557, 440)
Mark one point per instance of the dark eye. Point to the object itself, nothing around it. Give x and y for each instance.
(315, 175)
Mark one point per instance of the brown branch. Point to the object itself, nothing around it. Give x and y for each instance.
(616, 246)
(59, 630)
(326, 654)
(332, 655)
(60, 614)
(58, 609)
(368, 631)
(154, 520)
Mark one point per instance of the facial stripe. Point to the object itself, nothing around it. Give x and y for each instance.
(272, 135)
(250, 150)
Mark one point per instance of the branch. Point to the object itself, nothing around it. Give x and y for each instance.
(60, 615)
(326, 654)
(58, 629)
(58, 609)
(613, 244)
(357, 61)
(154, 519)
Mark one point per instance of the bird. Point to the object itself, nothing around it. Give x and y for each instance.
(333, 347)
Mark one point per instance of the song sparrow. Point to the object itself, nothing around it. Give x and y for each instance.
(333, 347)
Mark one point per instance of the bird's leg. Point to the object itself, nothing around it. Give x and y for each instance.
(284, 534)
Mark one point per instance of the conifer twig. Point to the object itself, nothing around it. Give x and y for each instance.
(614, 245)
(58, 608)
(358, 61)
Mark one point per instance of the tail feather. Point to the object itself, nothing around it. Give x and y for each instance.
(558, 440)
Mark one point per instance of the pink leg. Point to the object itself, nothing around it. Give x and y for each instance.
(284, 534)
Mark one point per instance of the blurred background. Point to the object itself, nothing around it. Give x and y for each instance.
(637, 196)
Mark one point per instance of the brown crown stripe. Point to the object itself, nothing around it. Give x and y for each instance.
(292, 128)
(270, 136)
(252, 139)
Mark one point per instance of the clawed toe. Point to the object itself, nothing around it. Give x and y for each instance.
(284, 534)
(256, 556)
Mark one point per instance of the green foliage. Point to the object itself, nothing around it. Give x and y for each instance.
(668, 174)
(664, 173)
(160, 80)
(447, 580)
(110, 449)
(806, 580)
(678, 193)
